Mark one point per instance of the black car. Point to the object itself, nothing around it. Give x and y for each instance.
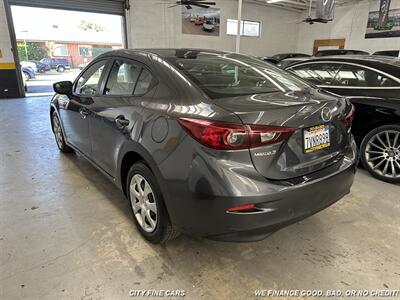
(372, 84)
(40, 66)
(331, 52)
(210, 143)
(393, 53)
(270, 60)
(58, 64)
(283, 64)
(282, 56)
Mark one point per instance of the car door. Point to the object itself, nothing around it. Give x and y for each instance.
(367, 88)
(348, 79)
(114, 113)
(74, 113)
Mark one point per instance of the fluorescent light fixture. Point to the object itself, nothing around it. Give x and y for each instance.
(274, 1)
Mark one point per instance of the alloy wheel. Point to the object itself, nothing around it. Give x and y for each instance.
(143, 203)
(57, 131)
(382, 153)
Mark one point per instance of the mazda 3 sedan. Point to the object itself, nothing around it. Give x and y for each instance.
(209, 143)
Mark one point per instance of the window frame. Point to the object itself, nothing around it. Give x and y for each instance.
(242, 28)
(100, 83)
(397, 80)
(58, 46)
(90, 48)
(153, 83)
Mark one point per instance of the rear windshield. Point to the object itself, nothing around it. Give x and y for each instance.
(229, 75)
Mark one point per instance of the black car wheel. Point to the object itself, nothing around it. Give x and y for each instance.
(380, 153)
(61, 69)
(147, 205)
(59, 135)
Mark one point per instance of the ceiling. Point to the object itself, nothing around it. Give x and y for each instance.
(299, 5)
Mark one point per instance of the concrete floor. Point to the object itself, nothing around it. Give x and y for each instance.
(66, 233)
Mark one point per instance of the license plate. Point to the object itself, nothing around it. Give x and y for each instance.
(316, 138)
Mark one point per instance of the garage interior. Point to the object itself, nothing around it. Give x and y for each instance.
(66, 232)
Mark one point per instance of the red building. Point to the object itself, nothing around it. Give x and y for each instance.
(76, 53)
(80, 53)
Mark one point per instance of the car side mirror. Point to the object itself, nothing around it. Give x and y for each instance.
(63, 87)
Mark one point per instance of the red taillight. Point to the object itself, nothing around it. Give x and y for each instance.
(233, 136)
(348, 118)
(241, 208)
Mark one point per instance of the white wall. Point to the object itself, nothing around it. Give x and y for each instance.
(5, 42)
(350, 23)
(155, 25)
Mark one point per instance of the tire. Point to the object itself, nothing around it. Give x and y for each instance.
(380, 153)
(147, 203)
(59, 134)
(61, 69)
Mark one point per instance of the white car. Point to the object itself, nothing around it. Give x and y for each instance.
(30, 65)
(208, 26)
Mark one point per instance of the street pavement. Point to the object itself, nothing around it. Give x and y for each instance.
(43, 83)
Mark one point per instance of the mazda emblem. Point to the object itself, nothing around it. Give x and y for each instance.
(326, 114)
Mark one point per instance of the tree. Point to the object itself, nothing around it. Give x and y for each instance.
(36, 51)
(90, 26)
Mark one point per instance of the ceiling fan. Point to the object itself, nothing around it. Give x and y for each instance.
(190, 3)
(311, 20)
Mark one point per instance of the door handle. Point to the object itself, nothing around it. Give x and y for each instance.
(121, 122)
(84, 112)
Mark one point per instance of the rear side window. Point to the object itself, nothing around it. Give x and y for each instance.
(127, 79)
(144, 82)
(357, 76)
(319, 74)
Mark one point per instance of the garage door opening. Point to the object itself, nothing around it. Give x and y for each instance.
(55, 45)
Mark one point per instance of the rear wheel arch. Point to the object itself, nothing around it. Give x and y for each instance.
(127, 161)
(132, 155)
(371, 126)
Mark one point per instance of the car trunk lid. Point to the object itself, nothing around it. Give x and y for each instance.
(313, 114)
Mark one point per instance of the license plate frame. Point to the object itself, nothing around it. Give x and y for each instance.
(316, 138)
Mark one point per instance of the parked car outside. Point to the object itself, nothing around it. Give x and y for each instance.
(393, 53)
(24, 81)
(58, 64)
(331, 52)
(28, 73)
(208, 26)
(83, 65)
(28, 64)
(40, 67)
(282, 56)
(372, 84)
(210, 143)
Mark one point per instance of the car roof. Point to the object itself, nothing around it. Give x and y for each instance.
(162, 52)
(362, 59)
(297, 58)
(341, 50)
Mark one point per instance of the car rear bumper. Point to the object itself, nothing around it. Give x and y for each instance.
(282, 203)
(286, 208)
